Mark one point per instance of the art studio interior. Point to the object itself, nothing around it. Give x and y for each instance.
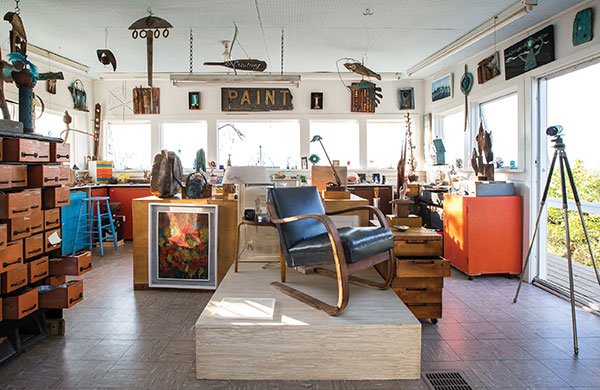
(261, 194)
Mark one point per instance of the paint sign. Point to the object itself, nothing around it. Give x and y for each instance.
(256, 99)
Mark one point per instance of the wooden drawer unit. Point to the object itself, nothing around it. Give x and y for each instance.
(19, 176)
(75, 265)
(62, 296)
(18, 228)
(422, 268)
(51, 219)
(56, 197)
(20, 149)
(43, 151)
(37, 269)
(37, 221)
(5, 176)
(34, 246)
(49, 247)
(419, 242)
(12, 256)
(15, 205)
(3, 236)
(64, 174)
(60, 152)
(43, 175)
(419, 290)
(55, 280)
(14, 279)
(36, 198)
(20, 305)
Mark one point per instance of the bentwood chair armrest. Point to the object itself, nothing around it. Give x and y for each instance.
(382, 221)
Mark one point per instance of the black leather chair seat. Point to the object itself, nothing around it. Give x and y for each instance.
(358, 243)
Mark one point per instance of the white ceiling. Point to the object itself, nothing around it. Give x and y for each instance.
(400, 33)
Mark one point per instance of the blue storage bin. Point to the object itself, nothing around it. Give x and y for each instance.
(69, 216)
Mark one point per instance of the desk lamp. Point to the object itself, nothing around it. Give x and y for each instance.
(337, 186)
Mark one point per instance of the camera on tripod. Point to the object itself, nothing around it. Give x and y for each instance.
(553, 131)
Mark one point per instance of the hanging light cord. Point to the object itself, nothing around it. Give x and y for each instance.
(191, 51)
(263, 31)
(282, 51)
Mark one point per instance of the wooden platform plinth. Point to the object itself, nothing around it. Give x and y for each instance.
(375, 338)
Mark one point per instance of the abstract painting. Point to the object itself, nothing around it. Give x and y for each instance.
(407, 98)
(441, 88)
(529, 53)
(182, 246)
(583, 27)
(488, 68)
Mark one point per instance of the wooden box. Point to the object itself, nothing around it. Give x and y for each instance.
(410, 221)
(43, 175)
(12, 256)
(56, 197)
(3, 236)
(422, 268)
(37, 269)
(20, 149)
(34, 246)
(55, 280)
(49, 247)
(51, 218)
(20, 305)
(43, 151)
(5, 176)
(19, 176)
(62, 296)
(14, 205)
(59, 152)
(37, 221)
(14, 279)
(75, 265)
(36, 198)
(419, 242)
(19, 227)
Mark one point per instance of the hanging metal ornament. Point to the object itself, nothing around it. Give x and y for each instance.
(466, 84)
(149, 28)
(105, 56)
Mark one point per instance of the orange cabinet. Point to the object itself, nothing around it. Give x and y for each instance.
(125, 196)
(483, 235)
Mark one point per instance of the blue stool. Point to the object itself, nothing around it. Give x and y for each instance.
(97, 218)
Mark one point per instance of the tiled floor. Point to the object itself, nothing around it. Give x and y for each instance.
(118, 338)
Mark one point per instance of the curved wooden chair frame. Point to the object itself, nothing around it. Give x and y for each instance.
(343, 271)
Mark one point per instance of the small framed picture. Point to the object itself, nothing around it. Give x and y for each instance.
(316, 100)
(304, 163)
(407, 98)
(441, 88)
(51, 86)
(194, 100)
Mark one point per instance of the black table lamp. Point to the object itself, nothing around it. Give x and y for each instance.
(338, 183)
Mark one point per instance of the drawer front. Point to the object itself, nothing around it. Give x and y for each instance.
(52, 218)
(43, 151)
(38, 269)
(15, 204)
(36, 198)
(20, 149)
(5, 176)
(14, 279)
(60, 152)
(412, 295)
(19, 176)
(426, 310)
(418, 247)
(43, 175)
(55, 280)
(3, 236)
(64, 174)
(19, 228)
(48, 246)
(62, 296)
(34, 246)
(12, 256)
(37, 221)
(56, 197)
(431, 283)
(75, 265)
(20, 306)
(422, 268)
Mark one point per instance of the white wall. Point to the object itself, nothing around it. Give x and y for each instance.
(526, 179)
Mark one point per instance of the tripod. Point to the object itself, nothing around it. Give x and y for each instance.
(559, 152)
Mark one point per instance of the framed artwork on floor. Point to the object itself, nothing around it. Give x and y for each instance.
(182, 246)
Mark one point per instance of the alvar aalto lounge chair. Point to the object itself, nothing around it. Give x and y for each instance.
(309, 238)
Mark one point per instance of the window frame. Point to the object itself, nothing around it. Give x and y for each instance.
(161, 133)
(127, 122)
(438, 132)
(359, 124)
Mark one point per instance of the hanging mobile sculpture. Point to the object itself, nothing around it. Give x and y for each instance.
(250, 64)
(105, 56)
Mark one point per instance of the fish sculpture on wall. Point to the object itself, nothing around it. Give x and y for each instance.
(373, 91)
(358, 68)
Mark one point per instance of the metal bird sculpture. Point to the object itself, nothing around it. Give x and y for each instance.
(106, 57)
(357, 67)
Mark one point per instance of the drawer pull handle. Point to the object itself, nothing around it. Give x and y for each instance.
(62, 201)
(40, 156)
(81, 269)
(6, 264)
(40, 275)
(51, 222)
(63, 179)
(19, 181)
(35, 207)
(18, 283)
(4, 182)
(30, 309)
(34, 154)
(15, 232)
(417, 305)
(416, 289)
(35, 251)
(21, 211)
(416, 242)
(80, 297)
(423, 261)
(62, 156)
(47, 179)
(36, 227)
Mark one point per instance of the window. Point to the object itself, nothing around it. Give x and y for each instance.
(340, 139)
(500, 116)
(453, 136)
(50, 124)
(185, 139)
(384, 139)
(266, 143)
(128, 145)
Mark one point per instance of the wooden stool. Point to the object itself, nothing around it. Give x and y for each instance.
(282, 263)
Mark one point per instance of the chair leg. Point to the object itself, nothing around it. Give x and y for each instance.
(99, 217)
(282, 264)
(112, 225)
(237, 247)
(77, 228)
